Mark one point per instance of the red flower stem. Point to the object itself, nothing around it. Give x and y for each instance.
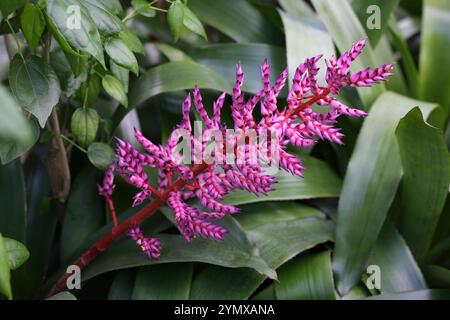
(113, 211)
(122, 228)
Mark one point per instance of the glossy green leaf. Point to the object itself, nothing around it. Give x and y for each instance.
(170, 281)
(17, 253)
(101, 155)
(434, 57)
(33, 25)
(437, 277)
(11, 119)
(143, 8)
(306, 37)
(35, 86)
(175, 17)
(374, 16)
(9, 6)
(234, 252)
(238, 20)
(107, 22)
(399, 270)
(191, 22)
(74, 22)
(121, 73)
(122, 285)
(84, 213)
(223, 58)
(115, 89)
(120, 54)
(426, 177)
(307, 277)
(84, 125)
(434, 294)
(131, 40)
(319, 181)
(370, 184)
(5, 275)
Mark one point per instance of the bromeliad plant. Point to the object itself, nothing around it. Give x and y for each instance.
(210, 181)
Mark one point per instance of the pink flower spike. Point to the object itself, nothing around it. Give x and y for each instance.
(368, 77)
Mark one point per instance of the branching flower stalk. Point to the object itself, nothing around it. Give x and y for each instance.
(180, 184)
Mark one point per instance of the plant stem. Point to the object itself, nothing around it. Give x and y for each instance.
(74, 144)
(122, 228)
(19, 47)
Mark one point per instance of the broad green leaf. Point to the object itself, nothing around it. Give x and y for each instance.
(65, 295)
(106, 21)
(35, 86)
(121, 73)
(238, 20)
(345, 29)
(234, 252)
(306, 37)
(101, 155)
(370, 184)
(17, 253)
(426, 177)
(33, 25)
(280, 231)
(113, 6)
(444, 223)
(170, 281)
(122, 285)
(84, 125)
(5, 274)
(10, 151)
(115, 89)
(374, 16)
(172, 53)
(223, 58)
(437, 276)
(399, 270)
(143, 8)
(74, 22)
(265, 294)
(9, 6)
(433, 294)
(434, 57)
(319, 181)
(191, 22)
(171, 77)
(11, 119)
(83, 215)
(308, 277)
(131, 40)
(175, 17)
(120, 54)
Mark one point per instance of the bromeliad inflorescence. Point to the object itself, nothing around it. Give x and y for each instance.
(238, 163)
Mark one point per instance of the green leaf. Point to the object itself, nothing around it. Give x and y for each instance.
(17, 253)
(319, 181)
(434, 58)
(115, 89)
(84, 125)
(434, 294)
(223, 58)
(307, 277)
(73, 21)
(120, 73)
(10, 151)
(143, 8)
(374, 16)
(5, 275)
(33, 25)
(11, 119)
(234, 252)
(426, 177)
(163, 282)
(399, 270)
(238, 19)
(9, 6)
(65, 295)
(106, 21)
(305, 35)
(83, 215)
(437, 277)
(370, 184)
(101, 155)
(35, 86)
(131, 40)
(120, 54)
(122, 285)
(191, 22)
(175, 17)
(171, 77)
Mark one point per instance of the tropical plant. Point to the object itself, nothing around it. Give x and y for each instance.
(368, 219)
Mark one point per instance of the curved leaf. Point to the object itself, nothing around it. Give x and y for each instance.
(17, 253)
(106, 21)
(370, 185)
(5, 275)
(122, 285)
(121, 55)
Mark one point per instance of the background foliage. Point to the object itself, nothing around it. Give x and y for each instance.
(382, 199)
